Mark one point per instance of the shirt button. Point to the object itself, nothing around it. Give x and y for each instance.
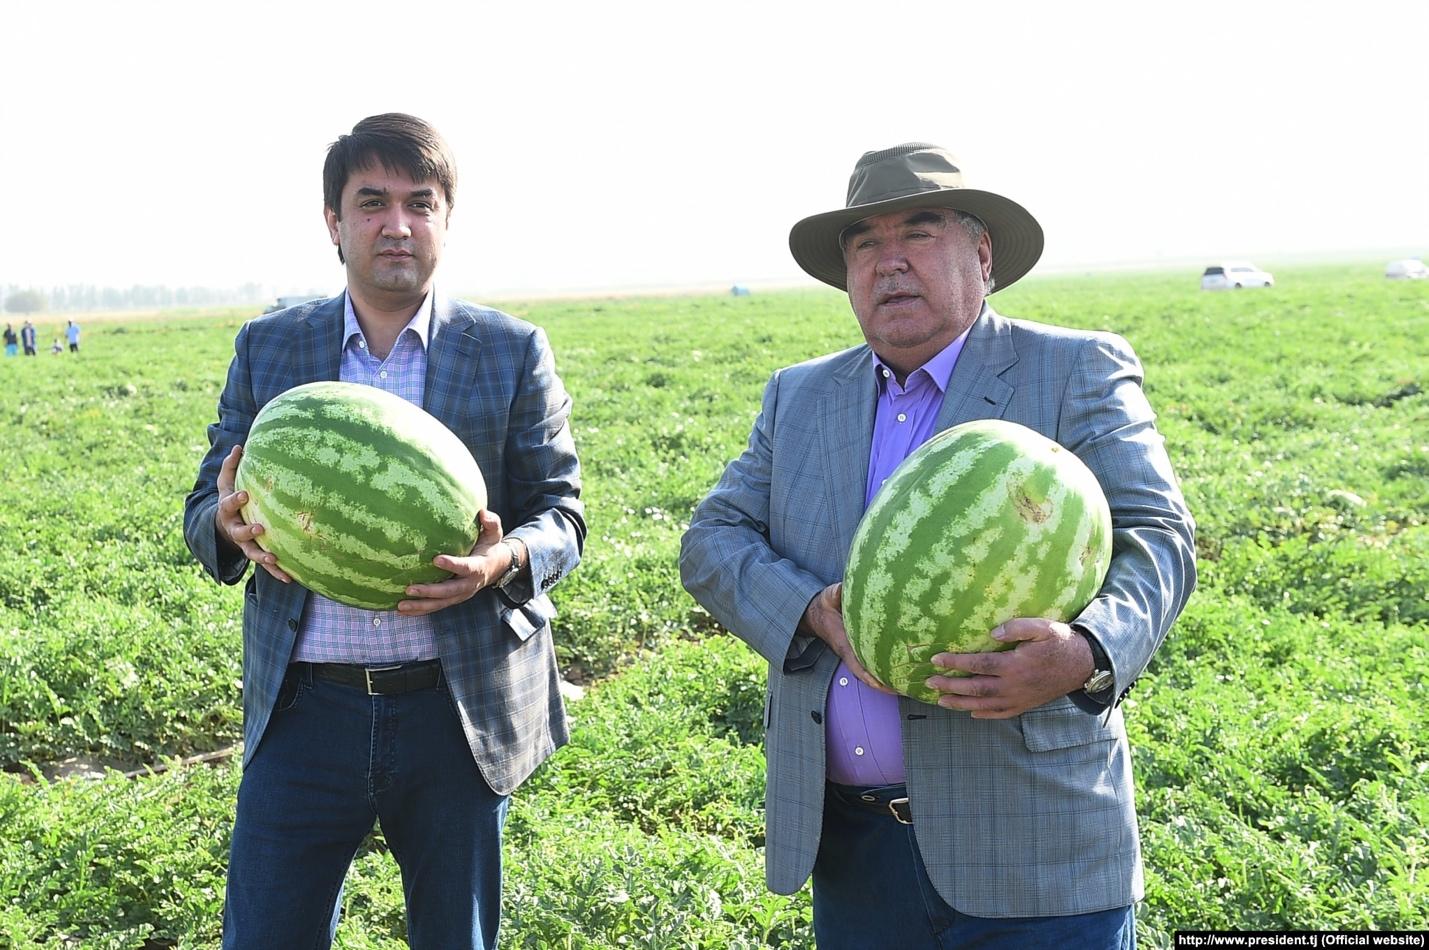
(858, 750)
(886, 374)
(376, 621)
(843, 680)
(902, 417)
(383, 374)
(362, 343)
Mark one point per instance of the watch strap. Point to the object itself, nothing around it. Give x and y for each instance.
(1102, 679)
(514, 568)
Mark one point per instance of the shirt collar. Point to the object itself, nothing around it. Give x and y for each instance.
(420, 324)
(939, 369)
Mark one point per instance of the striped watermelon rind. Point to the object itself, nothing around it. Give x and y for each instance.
(985, 522)
(358, 490)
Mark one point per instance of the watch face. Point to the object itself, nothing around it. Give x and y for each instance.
(1100, 680)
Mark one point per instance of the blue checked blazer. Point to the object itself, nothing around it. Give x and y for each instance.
(492, 380)
(1030, 816)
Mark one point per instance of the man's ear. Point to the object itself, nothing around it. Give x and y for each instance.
(333, 219)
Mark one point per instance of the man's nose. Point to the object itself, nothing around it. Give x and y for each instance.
(891, 262)
(397, 223)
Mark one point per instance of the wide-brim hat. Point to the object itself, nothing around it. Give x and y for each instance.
(916, 175)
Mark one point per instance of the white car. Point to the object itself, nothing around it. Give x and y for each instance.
(1235, 276)
(1410, 268)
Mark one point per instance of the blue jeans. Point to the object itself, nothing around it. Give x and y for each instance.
(871, 891)
(333, 761)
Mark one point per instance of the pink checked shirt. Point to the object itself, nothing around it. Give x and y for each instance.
(332, 632)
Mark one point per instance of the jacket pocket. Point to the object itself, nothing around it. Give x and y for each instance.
(525, 619)
(1066, 726)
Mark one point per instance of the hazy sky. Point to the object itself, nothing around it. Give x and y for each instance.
(625, 144)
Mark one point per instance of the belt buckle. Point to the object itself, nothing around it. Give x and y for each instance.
(367, 672)
(893, 810)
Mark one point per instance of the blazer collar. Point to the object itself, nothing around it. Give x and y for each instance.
(452, 348)
(317, 353)
(976, 389)
(846, 431)
(452, 354)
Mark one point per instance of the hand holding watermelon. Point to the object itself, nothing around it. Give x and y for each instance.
(229, 519)
(986, 524)
(481, 568)
(358, 492)
(1049, 659)
(823, 618)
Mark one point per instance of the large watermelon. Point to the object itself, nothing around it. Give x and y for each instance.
(985, 522)
(357, 490)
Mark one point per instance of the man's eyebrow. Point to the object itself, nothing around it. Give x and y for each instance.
(371, 191)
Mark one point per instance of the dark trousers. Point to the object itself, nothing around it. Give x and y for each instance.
(333, 761)
(871, 891)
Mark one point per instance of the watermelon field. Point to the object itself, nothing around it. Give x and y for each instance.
(1280, 738)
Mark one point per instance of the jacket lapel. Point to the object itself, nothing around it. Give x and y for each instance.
(451, 355)
(976, 390)
(317, 351)
(846, 430)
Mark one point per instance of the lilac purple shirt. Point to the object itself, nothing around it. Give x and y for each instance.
(335, 633)
(862, 729)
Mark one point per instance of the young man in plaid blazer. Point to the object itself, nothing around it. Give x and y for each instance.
(426, 717)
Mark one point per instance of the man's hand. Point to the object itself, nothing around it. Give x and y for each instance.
(228, 518)
(1050, 660)
(480, 569)
(824, 618)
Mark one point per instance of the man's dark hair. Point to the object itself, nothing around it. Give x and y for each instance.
(399, 143)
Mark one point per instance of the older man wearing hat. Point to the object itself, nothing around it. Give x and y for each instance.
(1002, 816)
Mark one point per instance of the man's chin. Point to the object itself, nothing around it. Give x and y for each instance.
(400, 282)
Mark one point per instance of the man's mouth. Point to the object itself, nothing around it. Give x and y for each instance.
(896, 297)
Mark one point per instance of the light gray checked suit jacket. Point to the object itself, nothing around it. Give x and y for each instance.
(1029, 816)
(491, 379)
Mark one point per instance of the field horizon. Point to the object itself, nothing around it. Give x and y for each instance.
(1188, 268)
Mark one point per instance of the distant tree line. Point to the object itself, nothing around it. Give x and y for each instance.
(78, 297)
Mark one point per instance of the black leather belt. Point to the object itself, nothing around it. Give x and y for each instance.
(897, 807)
(379, 680)
(879, 800)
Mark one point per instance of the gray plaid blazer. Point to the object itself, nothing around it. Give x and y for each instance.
(492, 380)
(1029, 816)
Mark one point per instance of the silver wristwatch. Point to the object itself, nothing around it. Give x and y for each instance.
(1098, 681)
(514, 568)
(1102, 676)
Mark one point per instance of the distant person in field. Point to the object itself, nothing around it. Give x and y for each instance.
(424, 718)
(72, 334)
(12, 340)
(27, 338)
(1003, 816)
(57, 346)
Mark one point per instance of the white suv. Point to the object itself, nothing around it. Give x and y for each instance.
(1411, 268)
(1234, 277)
